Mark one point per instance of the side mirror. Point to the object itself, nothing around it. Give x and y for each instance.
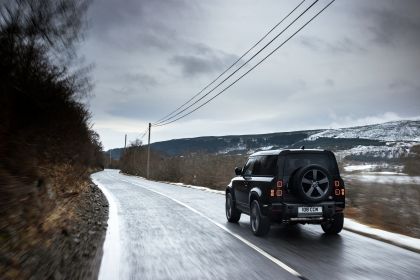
(238, 171)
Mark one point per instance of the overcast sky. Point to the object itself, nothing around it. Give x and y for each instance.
(358, 63)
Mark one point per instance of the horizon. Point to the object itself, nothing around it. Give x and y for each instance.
(275, 132)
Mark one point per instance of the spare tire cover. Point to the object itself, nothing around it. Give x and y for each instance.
(312, 183)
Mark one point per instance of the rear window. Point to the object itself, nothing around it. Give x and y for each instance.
(295, 161)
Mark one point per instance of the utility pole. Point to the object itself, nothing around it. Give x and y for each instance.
(125, 142)
(148, 152)
(110, 159)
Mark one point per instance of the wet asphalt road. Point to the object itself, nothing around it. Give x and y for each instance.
(164, 235)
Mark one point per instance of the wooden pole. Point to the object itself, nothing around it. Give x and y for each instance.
(148, 152)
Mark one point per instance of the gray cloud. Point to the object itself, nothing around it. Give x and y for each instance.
(202, 60)
(140, 25)
(109, 14)
(393, 23)
(392, 28)
(143, 80)
(129, 109)
(196, 65)
(344, 45)
(329, 82)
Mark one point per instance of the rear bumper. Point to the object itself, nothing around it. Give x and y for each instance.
(288, 212)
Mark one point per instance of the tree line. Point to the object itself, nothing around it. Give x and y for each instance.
(198, 168)
(47, 144)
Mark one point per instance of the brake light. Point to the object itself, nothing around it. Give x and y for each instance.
(279, 189)
(338, 188)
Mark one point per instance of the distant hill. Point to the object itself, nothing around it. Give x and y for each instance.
(372, 142)
(390, 131)
(115, 153)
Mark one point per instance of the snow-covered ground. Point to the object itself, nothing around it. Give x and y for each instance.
(365, 167)
(390, 131)
(383, 178)
(368, 173)
(196, 187)
(390, 237)
(238, 147)
(389, 151)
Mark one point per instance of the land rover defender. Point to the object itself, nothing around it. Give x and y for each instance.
(288, 186)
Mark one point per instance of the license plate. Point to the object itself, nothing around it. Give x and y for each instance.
(308, 210)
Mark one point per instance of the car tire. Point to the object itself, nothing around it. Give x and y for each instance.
(232, 213)
(302, 183)
(334, 226)
(260, 224)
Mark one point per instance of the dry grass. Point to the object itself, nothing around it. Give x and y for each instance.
(42, 213)
(385, 206)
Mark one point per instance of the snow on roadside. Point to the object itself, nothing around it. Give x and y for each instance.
(196, 187)
(400, 240)
(384, 178)
(351, 168)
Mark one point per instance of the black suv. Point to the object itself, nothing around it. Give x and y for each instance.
(288, 186)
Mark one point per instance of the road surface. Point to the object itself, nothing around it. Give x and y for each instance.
(162, 231)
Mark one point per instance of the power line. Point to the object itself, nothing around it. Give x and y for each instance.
(144, 133)
(240, 67)
(240, 77)
(169, 116)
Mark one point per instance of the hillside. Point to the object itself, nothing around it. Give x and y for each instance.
(387, 145)
(390, 131)
(387, 140)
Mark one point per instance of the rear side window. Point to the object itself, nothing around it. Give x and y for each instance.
(298, 160)
(265, 166)
(247, 170)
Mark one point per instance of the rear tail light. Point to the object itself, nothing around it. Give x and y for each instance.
(279, 188)
(338, 188)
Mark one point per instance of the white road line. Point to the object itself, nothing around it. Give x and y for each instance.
(240, 238)
(110, 264)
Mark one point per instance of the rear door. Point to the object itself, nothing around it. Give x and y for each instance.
(263, 173)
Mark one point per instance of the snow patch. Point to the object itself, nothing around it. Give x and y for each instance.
(390, 237)
(390, 151)
(390, 131)
(238, 147)
(351, 168)
(196, 187)
(382, 178)
(371, 169)
(266, 148)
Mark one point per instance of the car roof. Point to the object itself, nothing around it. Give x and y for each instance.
(285, 151)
